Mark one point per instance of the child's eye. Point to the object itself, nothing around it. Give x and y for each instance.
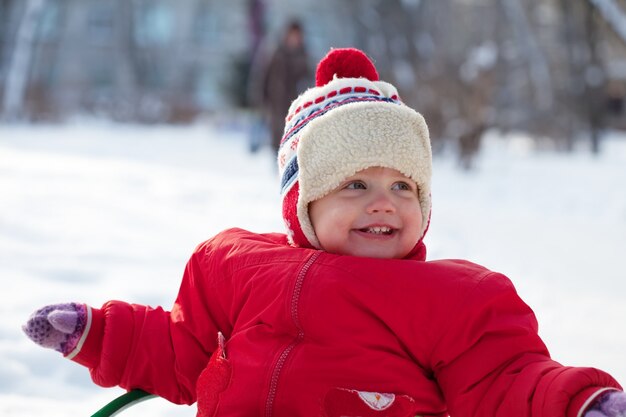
(402, 186)
(355, 185)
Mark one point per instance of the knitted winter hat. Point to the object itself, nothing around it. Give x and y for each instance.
(348, 122)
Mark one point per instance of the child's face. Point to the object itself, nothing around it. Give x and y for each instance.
(374, 213)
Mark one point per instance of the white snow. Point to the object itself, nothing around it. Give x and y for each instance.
(94, 211)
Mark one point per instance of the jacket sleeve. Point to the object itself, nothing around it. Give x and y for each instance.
(161, 352)
(491, 361)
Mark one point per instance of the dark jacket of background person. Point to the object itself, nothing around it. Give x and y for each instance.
(286, 71)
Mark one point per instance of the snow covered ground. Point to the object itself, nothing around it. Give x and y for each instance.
(92, 211)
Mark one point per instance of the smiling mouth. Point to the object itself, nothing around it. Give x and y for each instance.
(377, 230)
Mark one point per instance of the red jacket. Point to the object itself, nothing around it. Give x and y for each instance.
(308, 333)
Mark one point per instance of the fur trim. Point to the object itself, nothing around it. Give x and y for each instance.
(358, 136)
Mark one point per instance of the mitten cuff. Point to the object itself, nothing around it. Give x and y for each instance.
(583, 400)
(89, 347)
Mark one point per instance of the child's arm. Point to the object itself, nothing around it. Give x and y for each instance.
(491, 361)
(135, 346)
(122, 344)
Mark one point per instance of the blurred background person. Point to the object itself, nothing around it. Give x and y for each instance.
(255, 63)
(286, 74)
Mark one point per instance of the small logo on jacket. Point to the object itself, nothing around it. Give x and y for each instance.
(376, 400)
(345, 402)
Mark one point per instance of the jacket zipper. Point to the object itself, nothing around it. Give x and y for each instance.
(295, 299)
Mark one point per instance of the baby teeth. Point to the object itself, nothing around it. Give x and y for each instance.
(379, 230)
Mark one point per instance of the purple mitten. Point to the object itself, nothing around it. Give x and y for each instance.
(57, 326)
(612, 404)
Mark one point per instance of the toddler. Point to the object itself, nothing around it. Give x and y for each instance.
(341, 316)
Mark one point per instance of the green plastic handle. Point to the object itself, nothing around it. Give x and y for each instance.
(122, 402)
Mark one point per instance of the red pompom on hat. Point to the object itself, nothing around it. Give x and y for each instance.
(344, 63)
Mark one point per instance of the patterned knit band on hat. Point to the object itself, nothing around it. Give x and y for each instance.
(348, 122)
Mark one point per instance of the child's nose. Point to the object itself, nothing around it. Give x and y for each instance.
(381, 202)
